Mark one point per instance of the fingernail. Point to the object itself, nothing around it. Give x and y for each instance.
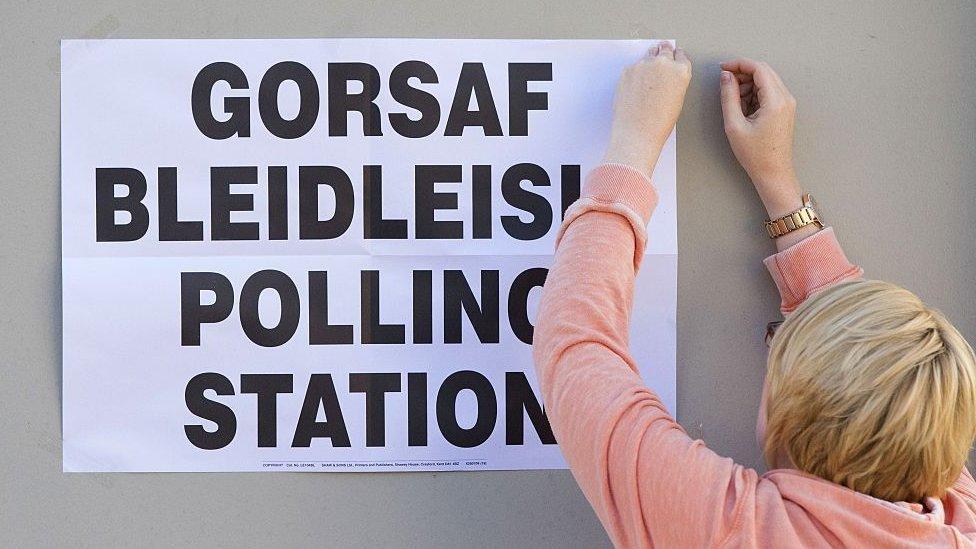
(726, 76)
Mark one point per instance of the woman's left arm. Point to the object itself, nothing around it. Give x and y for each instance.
(646, 479)
(648, 482)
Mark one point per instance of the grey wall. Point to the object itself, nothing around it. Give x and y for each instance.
(887, 118)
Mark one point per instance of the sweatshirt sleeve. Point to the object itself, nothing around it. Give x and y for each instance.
(809, 266)
(649, 483)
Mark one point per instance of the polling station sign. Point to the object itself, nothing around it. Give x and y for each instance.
(327, 255)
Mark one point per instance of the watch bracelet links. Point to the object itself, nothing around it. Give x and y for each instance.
(791, 222)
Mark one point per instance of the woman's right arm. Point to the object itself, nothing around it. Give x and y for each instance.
(759, 111)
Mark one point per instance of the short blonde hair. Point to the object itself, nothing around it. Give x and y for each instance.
(870, 389)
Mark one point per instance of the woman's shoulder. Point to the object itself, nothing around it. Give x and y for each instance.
(811, 510)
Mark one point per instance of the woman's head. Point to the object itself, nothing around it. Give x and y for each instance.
(870, 389)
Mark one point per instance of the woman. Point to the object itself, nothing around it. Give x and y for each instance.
(869, 406)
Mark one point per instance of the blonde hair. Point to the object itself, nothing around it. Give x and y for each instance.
(870, 389)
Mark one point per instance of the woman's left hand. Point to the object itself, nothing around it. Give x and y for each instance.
(646, 107)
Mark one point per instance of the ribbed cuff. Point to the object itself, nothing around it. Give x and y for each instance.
(622, 184)
(618, 189)
(809, 266)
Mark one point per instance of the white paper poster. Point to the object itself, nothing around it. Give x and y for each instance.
(327, 255)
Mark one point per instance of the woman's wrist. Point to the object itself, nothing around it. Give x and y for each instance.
(780, 199)
(634, 151)
(780, 195)
(794, 237)
(782, 206)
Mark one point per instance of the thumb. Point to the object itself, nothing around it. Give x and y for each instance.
(731, 104)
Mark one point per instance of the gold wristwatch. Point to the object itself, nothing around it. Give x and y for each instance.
(794, 220)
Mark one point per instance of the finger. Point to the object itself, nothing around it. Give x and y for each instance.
(744, 78)
(731, 102)
(757, 71)
(746, 99)
(666, 50)
(765, 72)
(682, 57)
(766, 82)
(741, 64)
(750, 104)
(745, 88)
(653, 51)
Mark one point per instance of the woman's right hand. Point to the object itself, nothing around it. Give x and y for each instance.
(758, 112)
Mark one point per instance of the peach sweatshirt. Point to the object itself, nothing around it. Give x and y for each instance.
(649, 483)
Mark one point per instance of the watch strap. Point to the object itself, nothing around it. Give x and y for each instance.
(792, 221)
